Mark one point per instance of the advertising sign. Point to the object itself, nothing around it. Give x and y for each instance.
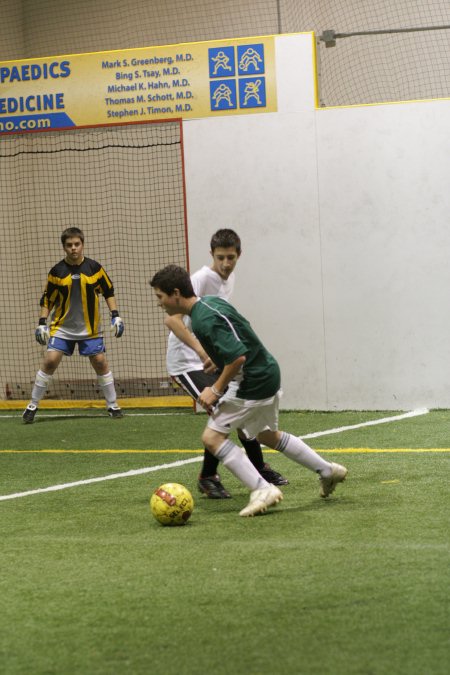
(192, 80)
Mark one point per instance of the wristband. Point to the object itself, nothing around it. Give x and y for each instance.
(42, 321)
(216, 392)
(114, 314)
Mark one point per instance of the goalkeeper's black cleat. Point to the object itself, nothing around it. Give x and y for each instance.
(29, 413)
(212, 487)
(115, 411)
(272, 476)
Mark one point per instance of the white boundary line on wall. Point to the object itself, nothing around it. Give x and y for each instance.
(150, 469)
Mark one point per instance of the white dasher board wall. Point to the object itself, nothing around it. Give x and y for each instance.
(343, 217)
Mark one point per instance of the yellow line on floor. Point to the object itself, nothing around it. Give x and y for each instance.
(172, 451)
(104, 451)
(380, 450)
(140, 402)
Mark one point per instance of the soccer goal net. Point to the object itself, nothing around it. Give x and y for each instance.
(124, 187)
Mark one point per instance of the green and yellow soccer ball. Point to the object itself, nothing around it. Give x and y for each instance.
(172, 504)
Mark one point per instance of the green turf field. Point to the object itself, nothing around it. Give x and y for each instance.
(90, 584)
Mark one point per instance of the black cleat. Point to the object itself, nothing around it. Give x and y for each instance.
(115, 412)
(29, 413)
(212, 487)
(272, 476)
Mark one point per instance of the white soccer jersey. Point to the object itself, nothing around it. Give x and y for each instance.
(181, 358)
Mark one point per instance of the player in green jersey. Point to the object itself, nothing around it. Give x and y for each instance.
(246, 394)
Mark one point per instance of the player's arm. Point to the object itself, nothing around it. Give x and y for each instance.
(117, 325)
(42, 332)
(176, 324)
(112, 304)
(210, 395)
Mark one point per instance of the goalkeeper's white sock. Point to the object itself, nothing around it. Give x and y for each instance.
(40, 386)
(294, 448)
(106, 382)
(240, 466)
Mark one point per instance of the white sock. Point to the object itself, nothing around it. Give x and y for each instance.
(106, 382)
(240, 466)
(40, 386)
(294, 448)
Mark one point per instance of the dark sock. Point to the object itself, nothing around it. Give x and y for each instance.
(210, 464)
(254, 452)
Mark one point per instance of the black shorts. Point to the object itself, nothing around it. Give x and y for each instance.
(195, 381)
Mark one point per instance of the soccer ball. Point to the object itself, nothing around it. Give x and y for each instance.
(171, 504)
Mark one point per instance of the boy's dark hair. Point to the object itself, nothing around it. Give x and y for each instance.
(72, 232)
(226, 239)
(172, 277)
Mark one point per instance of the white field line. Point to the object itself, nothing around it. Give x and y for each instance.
(149, 469)
(382, 420)
(113, 476)
(337, 430)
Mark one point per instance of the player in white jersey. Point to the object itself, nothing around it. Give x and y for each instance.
(189, 365)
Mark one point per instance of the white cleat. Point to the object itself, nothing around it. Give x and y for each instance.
(261, 499)
(328, 484)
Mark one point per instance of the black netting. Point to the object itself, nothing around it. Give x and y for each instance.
(369, 68)
(361, 69)
(123, 186)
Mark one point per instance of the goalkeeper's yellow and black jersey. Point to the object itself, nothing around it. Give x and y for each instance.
(72, 297)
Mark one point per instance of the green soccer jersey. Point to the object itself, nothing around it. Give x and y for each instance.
(225, 335)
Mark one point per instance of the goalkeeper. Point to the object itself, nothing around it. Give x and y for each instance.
(71, 297)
